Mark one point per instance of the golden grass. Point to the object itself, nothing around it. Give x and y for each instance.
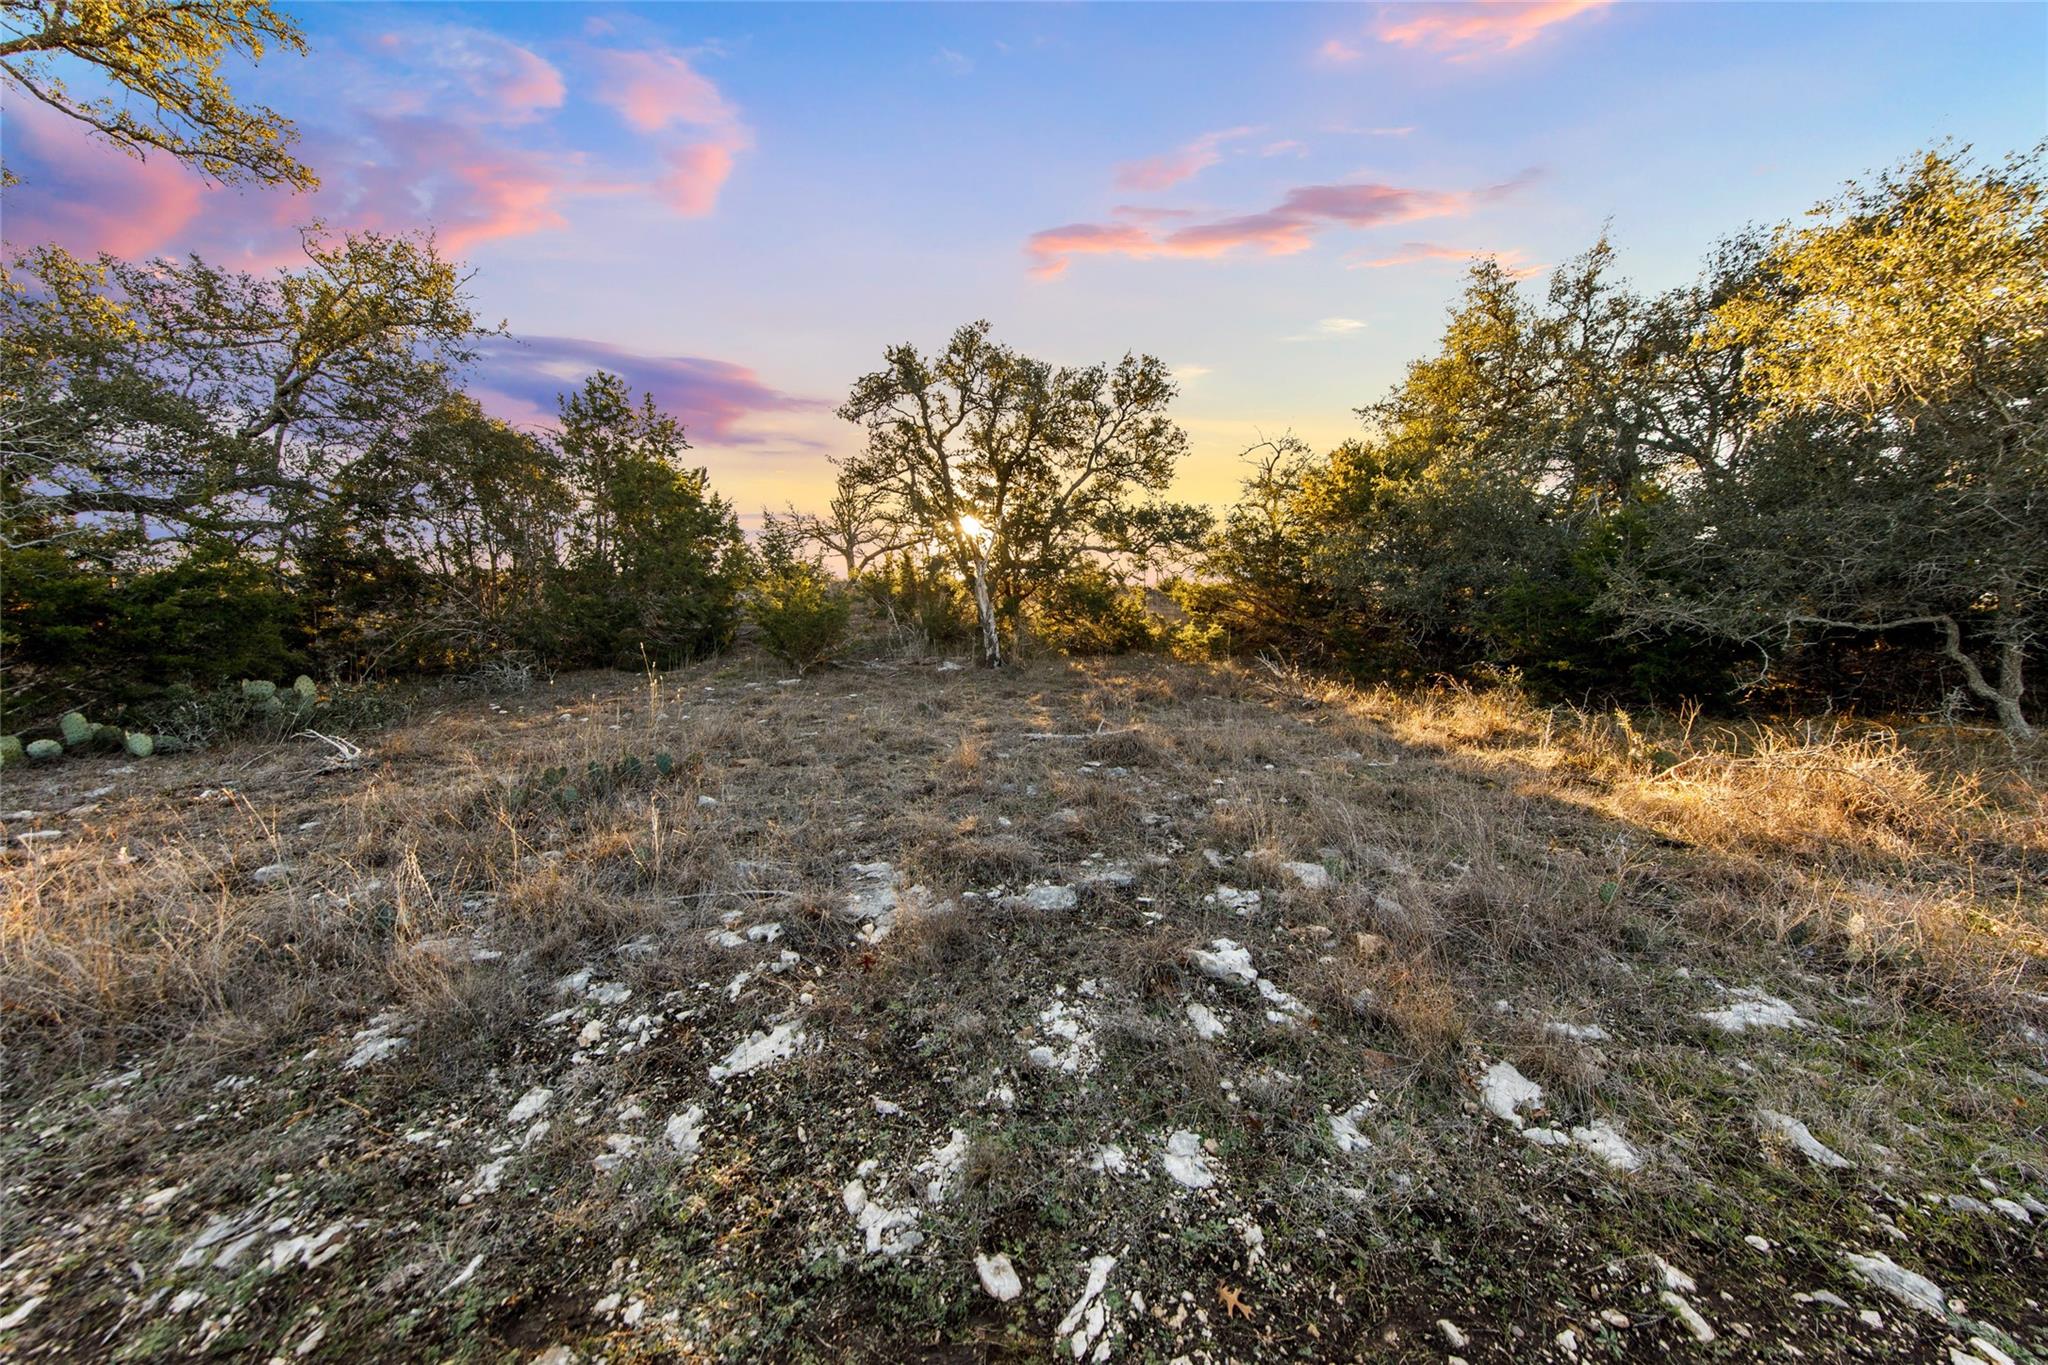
(1921, 856)
(1487, 839)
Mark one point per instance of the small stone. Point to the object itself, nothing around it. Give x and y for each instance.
(1752, 1009)
(1908, 1287)
(1045, 897)
(1788, 1129)
(1506, 1092)
(531, 1105)
(998, 1276)
(1688, 1315)
(1605, 1141)
(2012, 1211)
(1453, 1337)
(1989, 1352)
(1207, 1026)
(1309, 876)
(1186, 1162)
(685, 1132)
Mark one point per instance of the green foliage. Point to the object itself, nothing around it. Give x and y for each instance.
(552, 790)
(173, 402)
(42, 750)
(1896, 354)
(1480, 522)
(76, 729)
(1838, 432)
(655, 560)
(69, 627)
(11, 750)
(185, 717)
(139, 745)
(918, 594)
(1090, 611)
(154, 79)
(801, 613)
(1015, 469)
(440, 554)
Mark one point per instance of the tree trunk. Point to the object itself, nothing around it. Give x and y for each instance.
(2005, 697)
(991, 647)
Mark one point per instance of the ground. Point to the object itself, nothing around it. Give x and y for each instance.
(1131, 1010)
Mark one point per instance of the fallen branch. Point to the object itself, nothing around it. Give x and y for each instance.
(345, 753)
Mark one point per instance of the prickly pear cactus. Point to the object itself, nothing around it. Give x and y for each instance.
(139, 744)
(259, 690)
(304, 686)
(77, 729)
(169, 744)
(11, 750)
(43, 750)
(109, 736)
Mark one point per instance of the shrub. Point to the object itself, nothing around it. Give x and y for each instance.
(1091, 612)
(802, 615)
(72, 629)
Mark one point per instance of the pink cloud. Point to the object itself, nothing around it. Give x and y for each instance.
(1464, 31)
(458, 176)
(1275, 233)
(659, 91)
(695, 175)
(1514, 262)
(510, 82)
(1287, 228)
(417, 171)
(519, 378)
(1053, 248)
(1337, 51)
(458, 73)
(651, 90)
(1168, 169)
(85, 196)
(393, 174)
(1146, 213)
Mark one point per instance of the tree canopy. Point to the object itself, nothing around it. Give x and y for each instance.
(1031, 469)
(164, 59)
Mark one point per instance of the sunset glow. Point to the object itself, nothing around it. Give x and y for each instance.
(737, 207)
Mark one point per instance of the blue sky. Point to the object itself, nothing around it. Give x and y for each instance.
(738, 206)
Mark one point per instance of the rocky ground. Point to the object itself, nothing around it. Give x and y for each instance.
(1133, 1011)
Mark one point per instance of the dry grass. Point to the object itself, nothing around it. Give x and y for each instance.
(1918, 857)
(1498, 869)
(1485, 831)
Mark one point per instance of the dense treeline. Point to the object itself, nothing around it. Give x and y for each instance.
(1822, 465)
(211, 475)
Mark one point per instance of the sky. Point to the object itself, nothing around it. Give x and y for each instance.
(737, 207)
